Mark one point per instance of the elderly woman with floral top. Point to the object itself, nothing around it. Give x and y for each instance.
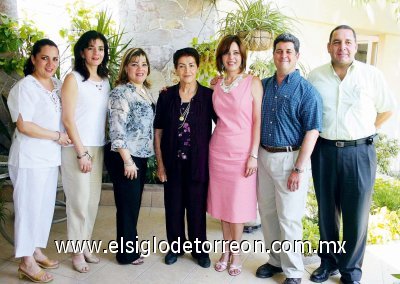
(131, 114)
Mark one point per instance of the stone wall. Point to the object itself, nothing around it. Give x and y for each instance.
(162, 27)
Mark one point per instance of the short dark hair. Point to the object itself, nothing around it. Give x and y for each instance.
(37, 47)
(126, 59)
(187, 51)
(84, 42)
(286, 37)
(223, 48)
(342, 27)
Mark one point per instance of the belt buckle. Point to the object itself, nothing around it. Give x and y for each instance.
(339, 144)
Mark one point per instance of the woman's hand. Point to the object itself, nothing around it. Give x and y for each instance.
(251, 166)
(85, 163)
(64, 139)
(162, 176)
(130, 170)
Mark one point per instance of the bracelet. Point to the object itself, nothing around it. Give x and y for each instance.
(59, 136)
(85, 154)
(254, 156)
(297, 170)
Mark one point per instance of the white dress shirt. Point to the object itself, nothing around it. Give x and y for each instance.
(350, 106)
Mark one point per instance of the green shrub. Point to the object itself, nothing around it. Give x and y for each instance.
(386, 194)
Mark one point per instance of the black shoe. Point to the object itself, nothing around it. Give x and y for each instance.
(204, 261)
(322, 273)
(292, 281)
(170, 258)
(348, 282)
(251, 229)
(267, 270)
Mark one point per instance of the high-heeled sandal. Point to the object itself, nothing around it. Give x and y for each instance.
(37, 278)
(235, 269)
(222, 265)
(47, 263)
(81, 266)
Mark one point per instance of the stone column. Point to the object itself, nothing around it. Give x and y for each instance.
(9, 7)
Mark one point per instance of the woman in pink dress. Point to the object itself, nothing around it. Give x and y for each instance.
(233, 148)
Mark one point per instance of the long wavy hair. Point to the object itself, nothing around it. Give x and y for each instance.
(84, 42)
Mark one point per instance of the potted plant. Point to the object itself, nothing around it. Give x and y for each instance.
(256, 23)
(207, 68)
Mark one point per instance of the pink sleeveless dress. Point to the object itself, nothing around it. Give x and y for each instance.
(232, 196)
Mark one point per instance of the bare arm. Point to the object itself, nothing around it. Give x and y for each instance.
(69, 97)
(381, 118)
(157, 148)
(304, 155)
(35, 131)
(256, 92)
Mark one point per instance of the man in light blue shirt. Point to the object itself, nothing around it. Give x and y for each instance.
(291, 121)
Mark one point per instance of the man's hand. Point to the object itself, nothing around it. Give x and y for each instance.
(293, 183)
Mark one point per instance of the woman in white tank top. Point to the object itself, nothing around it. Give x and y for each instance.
(84, 96)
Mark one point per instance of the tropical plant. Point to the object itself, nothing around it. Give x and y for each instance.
(250, 18)
(262, 68)
(16, 41)
(394, 3)
(207, 68)
(84, 19)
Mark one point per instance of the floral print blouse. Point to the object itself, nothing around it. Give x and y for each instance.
(131, 121)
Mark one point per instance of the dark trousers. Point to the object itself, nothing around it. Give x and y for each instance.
(128, 197)
(343, 180)
(182, 194)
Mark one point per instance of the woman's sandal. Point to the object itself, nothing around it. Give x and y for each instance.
(47, 263)
(235, 269)
(91, 258)
(37, 278)
(221, 265)
(81, 267)
(138, 261)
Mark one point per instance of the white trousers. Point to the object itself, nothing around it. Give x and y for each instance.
(82, 191)
(281, 210)
(34, 200)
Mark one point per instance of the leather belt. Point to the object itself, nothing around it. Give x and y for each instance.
(280, 149)
(347, 143)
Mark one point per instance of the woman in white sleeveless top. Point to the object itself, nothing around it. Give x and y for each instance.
(35, 156)
(84, 96)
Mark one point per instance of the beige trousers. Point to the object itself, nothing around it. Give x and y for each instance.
(82, 191)
(281, 210)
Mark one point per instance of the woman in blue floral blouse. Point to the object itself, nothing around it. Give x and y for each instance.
(131, 113)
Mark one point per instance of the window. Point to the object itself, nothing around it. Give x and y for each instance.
(367, 49)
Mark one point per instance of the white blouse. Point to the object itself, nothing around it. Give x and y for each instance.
(34, 103)
(91, 110)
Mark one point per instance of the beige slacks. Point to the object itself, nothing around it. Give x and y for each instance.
(82, 191)
(281, 210)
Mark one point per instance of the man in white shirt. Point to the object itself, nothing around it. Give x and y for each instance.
(356, 101)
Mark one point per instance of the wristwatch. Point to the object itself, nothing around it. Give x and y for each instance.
(297, 170)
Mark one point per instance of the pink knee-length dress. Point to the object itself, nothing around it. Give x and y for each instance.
(231, 195)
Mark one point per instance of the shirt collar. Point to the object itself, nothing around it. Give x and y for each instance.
(293, 76)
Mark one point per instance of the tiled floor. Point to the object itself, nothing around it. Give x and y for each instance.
(380, 261)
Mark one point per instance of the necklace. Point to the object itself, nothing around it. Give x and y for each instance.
(98, 85)
(184, 114)
(234, 84)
